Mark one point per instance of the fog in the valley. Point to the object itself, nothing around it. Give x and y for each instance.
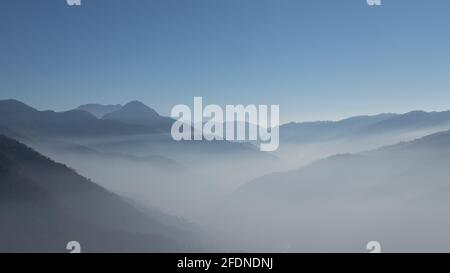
(296, 153)
(398, 197)
(247, 200)
(181, 179)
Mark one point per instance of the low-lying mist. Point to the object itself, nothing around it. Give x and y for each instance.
(244, 200)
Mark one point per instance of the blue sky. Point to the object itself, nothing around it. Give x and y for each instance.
(318, 59)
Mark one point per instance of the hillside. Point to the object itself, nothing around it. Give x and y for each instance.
(46, 204)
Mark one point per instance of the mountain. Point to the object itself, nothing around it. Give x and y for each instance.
(306, 132)
(115, 136)
(44, 205)
(364, 126)
(13, 111)
(138, 113)
(414, 120)
(22, 119)
(99, 110)
(304, 143)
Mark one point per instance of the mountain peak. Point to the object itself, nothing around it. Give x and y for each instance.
(133, 110)
(136, 103)
(136, 112)
(12, 104)
(12, 112)
(139, 106)
(416, 112)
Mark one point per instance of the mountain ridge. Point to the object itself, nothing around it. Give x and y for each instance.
(22, 119)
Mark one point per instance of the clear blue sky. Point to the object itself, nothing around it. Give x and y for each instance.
(318, 59)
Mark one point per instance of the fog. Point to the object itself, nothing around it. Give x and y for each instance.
(303, 198)
(339, 204)
(181, 179)
(296, 154)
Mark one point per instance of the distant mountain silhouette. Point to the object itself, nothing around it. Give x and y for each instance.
(43, 205)
(328, 130)
(99, 110)
(24, 120)
(138, 113)
(363, 126)
(410, 121)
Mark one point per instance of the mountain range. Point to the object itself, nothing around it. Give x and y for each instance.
(136, 130)
(137, 118)
(24, 120)
(373, 187)
(132, 119)
(363, 126)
